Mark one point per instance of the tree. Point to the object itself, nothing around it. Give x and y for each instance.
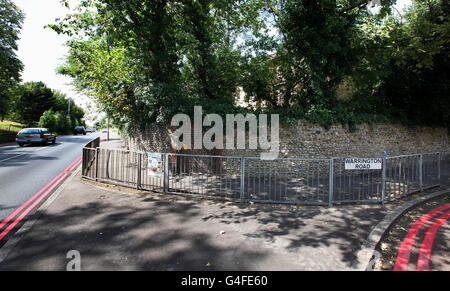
(10, 66)
(61, 104)
(403, 70)
(129, 62)
(143, 63)
(48, 120)
(318, 47)
(99, 124)
(418, 86)
(57, 118)
(31, 101)
(326, 61)
(63, 124)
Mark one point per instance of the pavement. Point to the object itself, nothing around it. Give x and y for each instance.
(140, 231)
(116, 228)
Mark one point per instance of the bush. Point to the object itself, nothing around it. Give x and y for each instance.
(48, 120)
(63, 123)
(57, 122)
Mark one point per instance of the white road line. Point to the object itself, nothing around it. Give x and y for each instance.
(11, 158)
(7, 147)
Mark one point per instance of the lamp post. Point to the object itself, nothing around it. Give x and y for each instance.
(107, 135)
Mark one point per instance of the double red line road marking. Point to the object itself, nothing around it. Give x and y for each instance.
(35, 200)
(424, 261)
(404, 252)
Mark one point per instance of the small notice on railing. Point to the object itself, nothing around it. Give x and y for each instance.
(154, 165)
(363, 163)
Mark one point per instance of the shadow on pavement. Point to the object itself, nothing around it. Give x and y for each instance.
(342, 228)
(26, 159)
(137, 231)
(113, 237)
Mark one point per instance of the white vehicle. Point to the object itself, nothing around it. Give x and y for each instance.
(35, 135)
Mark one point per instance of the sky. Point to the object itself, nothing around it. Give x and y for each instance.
(402, 3)
(42, 50)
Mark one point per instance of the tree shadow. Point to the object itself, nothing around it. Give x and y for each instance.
(344, 227)
(26, 159)
(111, 237)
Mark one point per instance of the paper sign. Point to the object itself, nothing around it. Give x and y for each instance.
(155, 165)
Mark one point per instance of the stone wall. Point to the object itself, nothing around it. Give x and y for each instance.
(155, 139)
(313, 141)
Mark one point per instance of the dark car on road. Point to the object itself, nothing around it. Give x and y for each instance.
(79, 130)
(35, 136)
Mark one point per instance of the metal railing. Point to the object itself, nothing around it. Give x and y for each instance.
(284, 180)
(90, 159)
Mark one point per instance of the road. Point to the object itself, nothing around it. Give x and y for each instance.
(25, 171)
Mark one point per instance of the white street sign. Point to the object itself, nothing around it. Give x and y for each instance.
(363, 163)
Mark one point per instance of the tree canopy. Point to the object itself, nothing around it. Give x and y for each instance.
(326, 61)
(11, 18)
(32, 100)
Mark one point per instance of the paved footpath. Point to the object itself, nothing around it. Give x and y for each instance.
(136, 231)
(114, 228)
(142, 231)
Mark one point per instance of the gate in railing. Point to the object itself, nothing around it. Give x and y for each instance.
(286, 180)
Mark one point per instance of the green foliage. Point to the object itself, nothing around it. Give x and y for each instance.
(328, 61)
(58, 122)
(63, 123)
(48, 120)
(99, 124)
(5, 103)
(32, 99)
(62, 105)
(403, 69)
(10, 66)
(35, 103)
(10, 126)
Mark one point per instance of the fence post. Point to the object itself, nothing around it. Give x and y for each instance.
(331, 181)
(421, 172)
(242, 177)
(439, 168)
(383, 181)
(83, 163)
(166, 173)
(96, 164)
(139, 168)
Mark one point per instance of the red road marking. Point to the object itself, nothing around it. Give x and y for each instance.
(12, 215)
(404, 252)
(51, 186)
(423, 263)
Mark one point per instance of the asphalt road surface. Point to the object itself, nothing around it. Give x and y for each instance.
(24, 171)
